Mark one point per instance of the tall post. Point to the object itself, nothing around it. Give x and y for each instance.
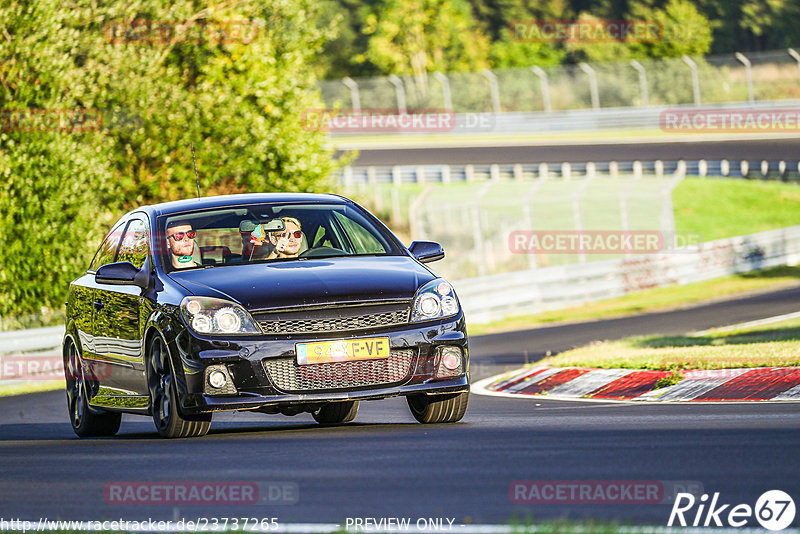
(494, 88)
(448, 99)
(642, 82)
(748, 71)
(592, 84)
(695, 79)
(577, 213)
(796, 56)
(399, 91)
(544, 83)
(355, 99)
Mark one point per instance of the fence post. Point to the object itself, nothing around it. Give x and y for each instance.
(667, 212)
(642, 82)
(399, 91)
(445, 174)
(420, 174)
(397, 175)
(796, 56)
(528, 217)
(637, 169)
(348, 177)
(355, 99)
(702, 168)
(724, 167)
(695, 79)
(413, 219)
(372, 180)
(543, 171)
(659, 168)
(578, 215)
(544, 82)
(566, 171)
(494, 172)
(494, 88)
(613, 169)
(624, 215)
(446, 95)
(469, 173)
(518, 172)
(592, 84)
(477, 229)
(748, 71)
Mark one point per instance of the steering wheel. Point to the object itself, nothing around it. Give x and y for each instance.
(321, 252)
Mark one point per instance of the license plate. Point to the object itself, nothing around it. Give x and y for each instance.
(342, 350)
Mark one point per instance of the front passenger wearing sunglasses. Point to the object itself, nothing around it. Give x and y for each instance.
(180, 242)
(288, 242)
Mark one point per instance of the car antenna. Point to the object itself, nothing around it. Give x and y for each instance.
(196, 177)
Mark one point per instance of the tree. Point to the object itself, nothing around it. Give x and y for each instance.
(421, 36)
(151, 79)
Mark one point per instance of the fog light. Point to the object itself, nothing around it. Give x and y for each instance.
(217, 379)
(451, 358)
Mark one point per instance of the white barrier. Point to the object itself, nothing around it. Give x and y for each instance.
(33, 339)
(493, 297)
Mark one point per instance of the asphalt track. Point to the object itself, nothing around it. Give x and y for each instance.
(386, 465)
(735, 150)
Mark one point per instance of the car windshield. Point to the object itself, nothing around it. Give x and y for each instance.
(270, 232)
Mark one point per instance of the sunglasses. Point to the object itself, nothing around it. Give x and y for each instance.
(178, 236)
(297, 234)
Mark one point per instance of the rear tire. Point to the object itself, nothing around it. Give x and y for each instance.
(427, 409)
(336, 412)
(85, 423)
(164, 397)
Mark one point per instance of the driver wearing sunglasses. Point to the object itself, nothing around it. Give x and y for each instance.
(288, 242)
(180, 242)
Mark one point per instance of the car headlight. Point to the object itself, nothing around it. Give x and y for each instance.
(434, 300)
(206, 315)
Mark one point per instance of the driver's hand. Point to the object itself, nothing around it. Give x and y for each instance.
(282, 244)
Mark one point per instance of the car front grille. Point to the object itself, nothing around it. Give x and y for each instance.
(286, 375)
(334, 319)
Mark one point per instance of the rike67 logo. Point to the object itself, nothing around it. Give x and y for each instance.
(774, 510)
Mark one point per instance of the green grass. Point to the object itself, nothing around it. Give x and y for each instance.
(725, 207)
(774, 345)
(665, 298)
(22, 387)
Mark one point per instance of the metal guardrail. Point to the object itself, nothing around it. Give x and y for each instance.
(16, 341)
(493, 297)
(786, 170)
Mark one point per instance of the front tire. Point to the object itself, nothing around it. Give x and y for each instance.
(334, 413)
(85, 423)
(426, 409)
(164, 397)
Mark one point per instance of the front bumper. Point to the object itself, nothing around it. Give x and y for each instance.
(244, 359)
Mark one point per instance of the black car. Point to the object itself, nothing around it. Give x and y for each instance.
(278, 303)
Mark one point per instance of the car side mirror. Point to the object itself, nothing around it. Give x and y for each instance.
(122, 273)
(426, 251)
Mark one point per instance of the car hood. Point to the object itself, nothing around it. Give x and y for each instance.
(308, 282)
